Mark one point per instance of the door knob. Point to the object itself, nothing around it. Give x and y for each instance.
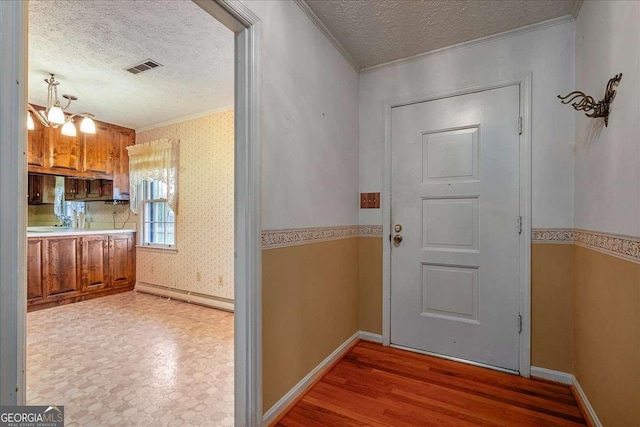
(397, 239)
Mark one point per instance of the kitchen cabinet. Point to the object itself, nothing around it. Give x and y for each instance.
(77, 267)
(61, 266)
(73, 189)
(121, 259)
(93, 189)
(98, 150)
(35, 278)
(102, 155)
(123, 139)
(95, 262)
(63, 152)
(35, 144)
(41, 189)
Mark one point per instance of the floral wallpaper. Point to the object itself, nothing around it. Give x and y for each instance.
(204, 236)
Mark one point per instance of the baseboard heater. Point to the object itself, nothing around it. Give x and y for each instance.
(187, 296)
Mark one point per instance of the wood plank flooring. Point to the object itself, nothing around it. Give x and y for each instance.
(380, 386)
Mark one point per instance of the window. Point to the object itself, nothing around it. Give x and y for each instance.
(158, 219)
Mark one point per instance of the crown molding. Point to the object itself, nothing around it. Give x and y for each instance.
(506, 34)
(576, 9)
(324, 30)
(185, 118)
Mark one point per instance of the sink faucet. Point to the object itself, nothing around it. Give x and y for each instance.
(66, 221)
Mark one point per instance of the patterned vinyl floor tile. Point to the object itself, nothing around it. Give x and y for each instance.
(132, 359)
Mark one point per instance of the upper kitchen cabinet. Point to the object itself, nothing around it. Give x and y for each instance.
(123, 139)
(102, 155)
(98, 149)
(35, 145)
(63, 152)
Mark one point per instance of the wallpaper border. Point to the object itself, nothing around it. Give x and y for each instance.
(621, 246)
(272, 239)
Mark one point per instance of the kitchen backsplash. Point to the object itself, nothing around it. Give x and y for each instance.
(99, 215)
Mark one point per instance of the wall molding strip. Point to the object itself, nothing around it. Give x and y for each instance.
(506, 34)
(324, 30)
(370, 230)
(371, 337)
(618, 245)
(297, 392)
(186, 296)
(272, 239)
(552, 235)
(570, 379)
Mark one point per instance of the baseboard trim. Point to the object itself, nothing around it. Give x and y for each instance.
(551, 375)
(186, 296)
(570, 379)
(293, 395)
(371, 337)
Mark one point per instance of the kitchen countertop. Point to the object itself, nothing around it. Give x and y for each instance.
(61, 231)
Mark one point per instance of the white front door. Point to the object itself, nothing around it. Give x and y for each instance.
(455, 276)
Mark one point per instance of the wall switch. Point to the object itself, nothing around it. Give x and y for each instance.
(369, 200)
(220, 281)
(198, 276)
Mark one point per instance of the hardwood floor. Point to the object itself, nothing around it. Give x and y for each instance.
(380, 386)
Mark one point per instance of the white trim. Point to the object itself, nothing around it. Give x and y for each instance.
(324, 30)
(551, 375)
(13, 205)
(186, 296)
(524, 81)
(506, 34)
(585, 402)
(570, 379)
(576, 9)
(300, 388)
(371, 337)
(185, 118)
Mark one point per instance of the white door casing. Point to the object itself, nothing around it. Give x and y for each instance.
(455, 177)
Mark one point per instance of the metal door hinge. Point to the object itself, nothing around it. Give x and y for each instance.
(519, 225)
(519, 125)
(519, 323)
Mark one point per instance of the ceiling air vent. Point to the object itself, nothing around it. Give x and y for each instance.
(146, 65)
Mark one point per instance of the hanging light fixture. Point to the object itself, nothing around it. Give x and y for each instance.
(54, 115)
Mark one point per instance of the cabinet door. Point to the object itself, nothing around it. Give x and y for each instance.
(97, 150)
(125, 138)
(121, 259)
(94, 188)
(62, 265)
(35, 189)
(95, 262)
(35, 143)
(63, 151)
(71, 189)
(35, 282)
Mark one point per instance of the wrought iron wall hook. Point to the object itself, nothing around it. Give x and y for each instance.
(587, 104)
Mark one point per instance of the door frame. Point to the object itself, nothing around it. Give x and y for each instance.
(524, 83)
(247, 226)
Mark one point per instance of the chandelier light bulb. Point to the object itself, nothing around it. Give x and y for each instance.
(69, 129)
(87, 125)
(55, 115)
(30, 124)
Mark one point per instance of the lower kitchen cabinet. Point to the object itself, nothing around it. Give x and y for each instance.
(74, 268)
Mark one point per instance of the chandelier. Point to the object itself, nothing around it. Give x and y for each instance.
(54, 115)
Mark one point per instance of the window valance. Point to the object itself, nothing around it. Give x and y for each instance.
(155, 160)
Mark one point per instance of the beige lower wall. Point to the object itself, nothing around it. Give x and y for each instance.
(309, 308)
(551, 306)
(606, 303)
(551, 280)
(370, 285)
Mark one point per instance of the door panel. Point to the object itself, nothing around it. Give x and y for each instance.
(121, 253)
(95, 262)
(62, 265)
(455, 275)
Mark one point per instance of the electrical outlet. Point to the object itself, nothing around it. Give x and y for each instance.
(220, 281)
(198, 276)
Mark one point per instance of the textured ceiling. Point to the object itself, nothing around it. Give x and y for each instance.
(378, 31)
(89, 45)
